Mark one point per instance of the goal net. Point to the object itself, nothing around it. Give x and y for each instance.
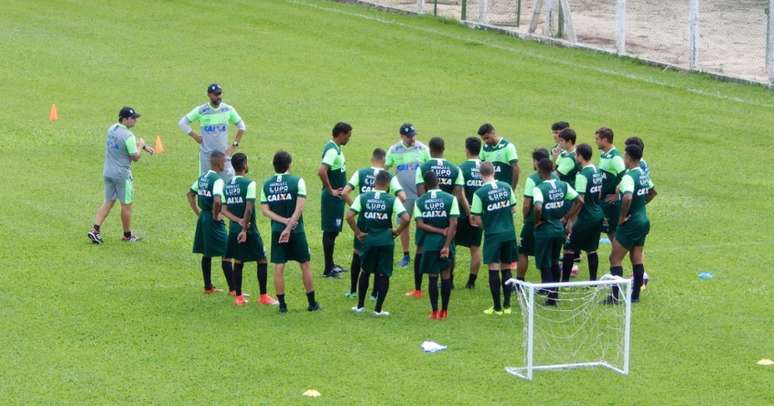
(588, 326)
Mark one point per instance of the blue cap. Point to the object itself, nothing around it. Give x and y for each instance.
(128, 112)
(408, 130)
(214, 88)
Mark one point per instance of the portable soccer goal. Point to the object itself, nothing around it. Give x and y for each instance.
(574, 325)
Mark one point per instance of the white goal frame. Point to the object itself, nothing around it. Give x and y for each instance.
(529, 290)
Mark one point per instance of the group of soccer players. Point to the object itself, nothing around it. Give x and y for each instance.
(567, 203)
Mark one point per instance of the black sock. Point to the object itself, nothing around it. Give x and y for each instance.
(546, 277)
(263, 276)
(506, 275)
(432, 290)
(310, 298)
(494, 288)
(616, 271)
(127, 234)
(405, 253)
(384, 286)
(446, 288)
(375, 289)
(281, 299)
(236, 277)
(329, 243)
(354, 273)
(639, 272)
(417, 272)
(521, 278)
(362, 289)
(207, 272)
(567, 262)
(96, 227)
(227, 273)
(556, 272)
(472, 279)
(593, 259)
(576, 257)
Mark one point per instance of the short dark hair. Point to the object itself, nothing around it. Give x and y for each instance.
(382, 178)
(559, 126)
(545, 166)
(585, 151)
(539, 153)
(431, 180)
(282, 161)
(238, 161)
(378, 154)
(216, 156)
(606, 133)
(486, 129)
(635, 140)
(341, 128)
(486, 169)
(473, 145)
(634, 152)
(436, 144)
(568, 134)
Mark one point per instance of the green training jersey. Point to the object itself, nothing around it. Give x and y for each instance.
(364, 180)
(206, 188)
(637, 183)
(213, 125)
(611, 163)
(552, 196)
(375, 210)
(567, 166)
(502, 155)
(529, 186)
(333, 158)
(435, 208)
(448, 174)
(494, 203)
(239, 191)
(588, 183)
(406, 160)
(280, 193)
(472, 178)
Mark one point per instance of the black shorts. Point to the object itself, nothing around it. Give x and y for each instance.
(467, 235)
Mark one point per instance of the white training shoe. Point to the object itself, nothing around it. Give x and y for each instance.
(381, 314)
(358, 309)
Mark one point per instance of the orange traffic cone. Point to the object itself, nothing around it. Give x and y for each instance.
(159, 147)
(53, 115)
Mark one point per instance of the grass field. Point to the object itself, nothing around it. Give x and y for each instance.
(128, 323)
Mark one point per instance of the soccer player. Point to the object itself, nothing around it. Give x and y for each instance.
(206, 200)
(556, 128)
(333, 174)
(634, 140)
(282, 200)
(374, 231)
(566, 164)
(501, 153)
(213, 118)
(588, 226)
(527, 234)
(364, 180)
(436, 214)
(637, 190)
(552, 221)
(450, 180)
(493, 207)
(121, 149)
(406, 155)
(244, 243)
(611, 164)
(467, 234)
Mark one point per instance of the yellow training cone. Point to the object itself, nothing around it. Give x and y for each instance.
(159, 147)
(53, 115)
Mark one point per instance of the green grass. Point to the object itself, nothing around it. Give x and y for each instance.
(128, 323)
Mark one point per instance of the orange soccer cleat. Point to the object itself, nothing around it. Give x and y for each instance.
(443, 314)
(265, 299)
(209, 291)
(414, 293)
(436, 315)
(239, 300)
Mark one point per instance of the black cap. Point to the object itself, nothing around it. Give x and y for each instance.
(408, 130)
(214, 88)
(128, 112)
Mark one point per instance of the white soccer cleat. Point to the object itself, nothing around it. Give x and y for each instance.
(382, 314)
(358, 309)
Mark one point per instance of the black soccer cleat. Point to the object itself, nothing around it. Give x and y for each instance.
(338, 269)
(283, 308)
(331, 274)
(314, 307)
(610, 300)
(95, 237)
(470, 285)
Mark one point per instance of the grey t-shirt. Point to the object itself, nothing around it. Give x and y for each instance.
(120, 145)
(213, 125)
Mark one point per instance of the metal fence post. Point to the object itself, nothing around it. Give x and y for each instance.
(620, 27)
(482, 11)
(770, 42)
(693, 36)
(420, 6)
(518, 13)
(464, 15)
(435, 7)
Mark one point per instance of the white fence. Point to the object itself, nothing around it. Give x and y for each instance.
(730, 38)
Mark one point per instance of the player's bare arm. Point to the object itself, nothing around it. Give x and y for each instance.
(516, 171)
(322, 172)
(359, 234)
(191, 196)
(405, 220)
(450, 233)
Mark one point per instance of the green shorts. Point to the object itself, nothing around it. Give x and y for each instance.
(357, 245)
(612, 212)
(248, 251)
(332, 211)
(296, 249)
(467, 235)
(632, 233)
(210, 237)
(499, 251)
(377, 260)
(527, 239)
(433, 263)
(547, 249)
(584, 237)
(119, 189)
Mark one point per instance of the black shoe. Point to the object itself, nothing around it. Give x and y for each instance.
(610, 300)
(542, 292)
(314, 307)
(283, 308)
(452, 286)
(470, 285)
(635, 300)
(332, 274)
(95, 237)
(550, 302)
